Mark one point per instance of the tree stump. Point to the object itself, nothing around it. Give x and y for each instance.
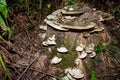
(74, 37)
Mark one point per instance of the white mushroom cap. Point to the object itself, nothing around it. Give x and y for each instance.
(55, 60)
(44, 43)
(71, 9)
(62, 50)
(89, 50)
(55, 25)
(43, 35)
(70, 77)
(65, 78)
(91, 45)
(69, 17)
(52, 38)
(100, 17)
(77, 61)
(48, 42)
(43, 27)
(93, 54)
(82, 55)
(52, 17)
(80, 48)
(75, 73)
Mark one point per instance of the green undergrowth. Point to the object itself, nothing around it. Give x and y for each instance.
(67, 58)
(5, 68)
(103, 48)
(110, 49)
(93, 75)
(3, 18)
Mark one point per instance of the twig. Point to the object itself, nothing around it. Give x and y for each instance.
(46, 73)
(27, 33)
(11, 46)
(30, 19)
(27, 68)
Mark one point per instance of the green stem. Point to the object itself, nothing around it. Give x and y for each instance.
(4, 67)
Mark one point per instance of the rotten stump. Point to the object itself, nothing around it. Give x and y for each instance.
(72, 35)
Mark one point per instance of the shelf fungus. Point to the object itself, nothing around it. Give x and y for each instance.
(104, 16)
(82, 55)
(62, 50)
(48, 43)
(90, 48)
(55, 25)
(74, 9)
(80, 48)
(93, 54)
(67, 18)
(56, 60)
(74, 73)
(52, 38)
(43, 27)
(80, 51)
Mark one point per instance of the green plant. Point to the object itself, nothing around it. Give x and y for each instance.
(4, 16)
(71, 2)
(93, 75)
(117, 12)
(48, 8)
(102, 48)
(4, 67)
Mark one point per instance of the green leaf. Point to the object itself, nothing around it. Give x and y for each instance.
(48, 5)
(2, 21)
(114, 47)
(10, 32)
(99, 48)
(4, 67)
(4, 11)
(3, 8)
(93, 75)
(3, 2)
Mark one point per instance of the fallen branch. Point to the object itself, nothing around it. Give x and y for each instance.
(27, 68)
(46, 73)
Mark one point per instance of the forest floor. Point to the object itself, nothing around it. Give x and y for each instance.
(26, 57)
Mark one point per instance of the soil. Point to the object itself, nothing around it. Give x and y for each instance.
(27, 59)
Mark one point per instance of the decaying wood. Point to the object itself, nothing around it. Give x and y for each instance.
(69, 36)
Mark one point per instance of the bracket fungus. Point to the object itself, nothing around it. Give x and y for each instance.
(80, 48)
(93, 54)
(79, 28)
(82, 55)
(62, 50)
(55, 60)
(88, 18)
(48, 43)
(43, 27)
(74, 73)
(52, 38)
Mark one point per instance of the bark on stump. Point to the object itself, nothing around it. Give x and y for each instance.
(71, 39)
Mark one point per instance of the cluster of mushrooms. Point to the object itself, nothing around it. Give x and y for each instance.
(74, 17)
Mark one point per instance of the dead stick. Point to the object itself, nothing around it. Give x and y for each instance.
(27, 33)
(27, 68)
(46, 73)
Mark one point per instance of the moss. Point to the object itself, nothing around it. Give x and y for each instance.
(53, 51)
(68, 60)
(89, 64)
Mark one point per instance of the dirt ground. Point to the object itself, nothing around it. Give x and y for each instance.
(25, 56)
